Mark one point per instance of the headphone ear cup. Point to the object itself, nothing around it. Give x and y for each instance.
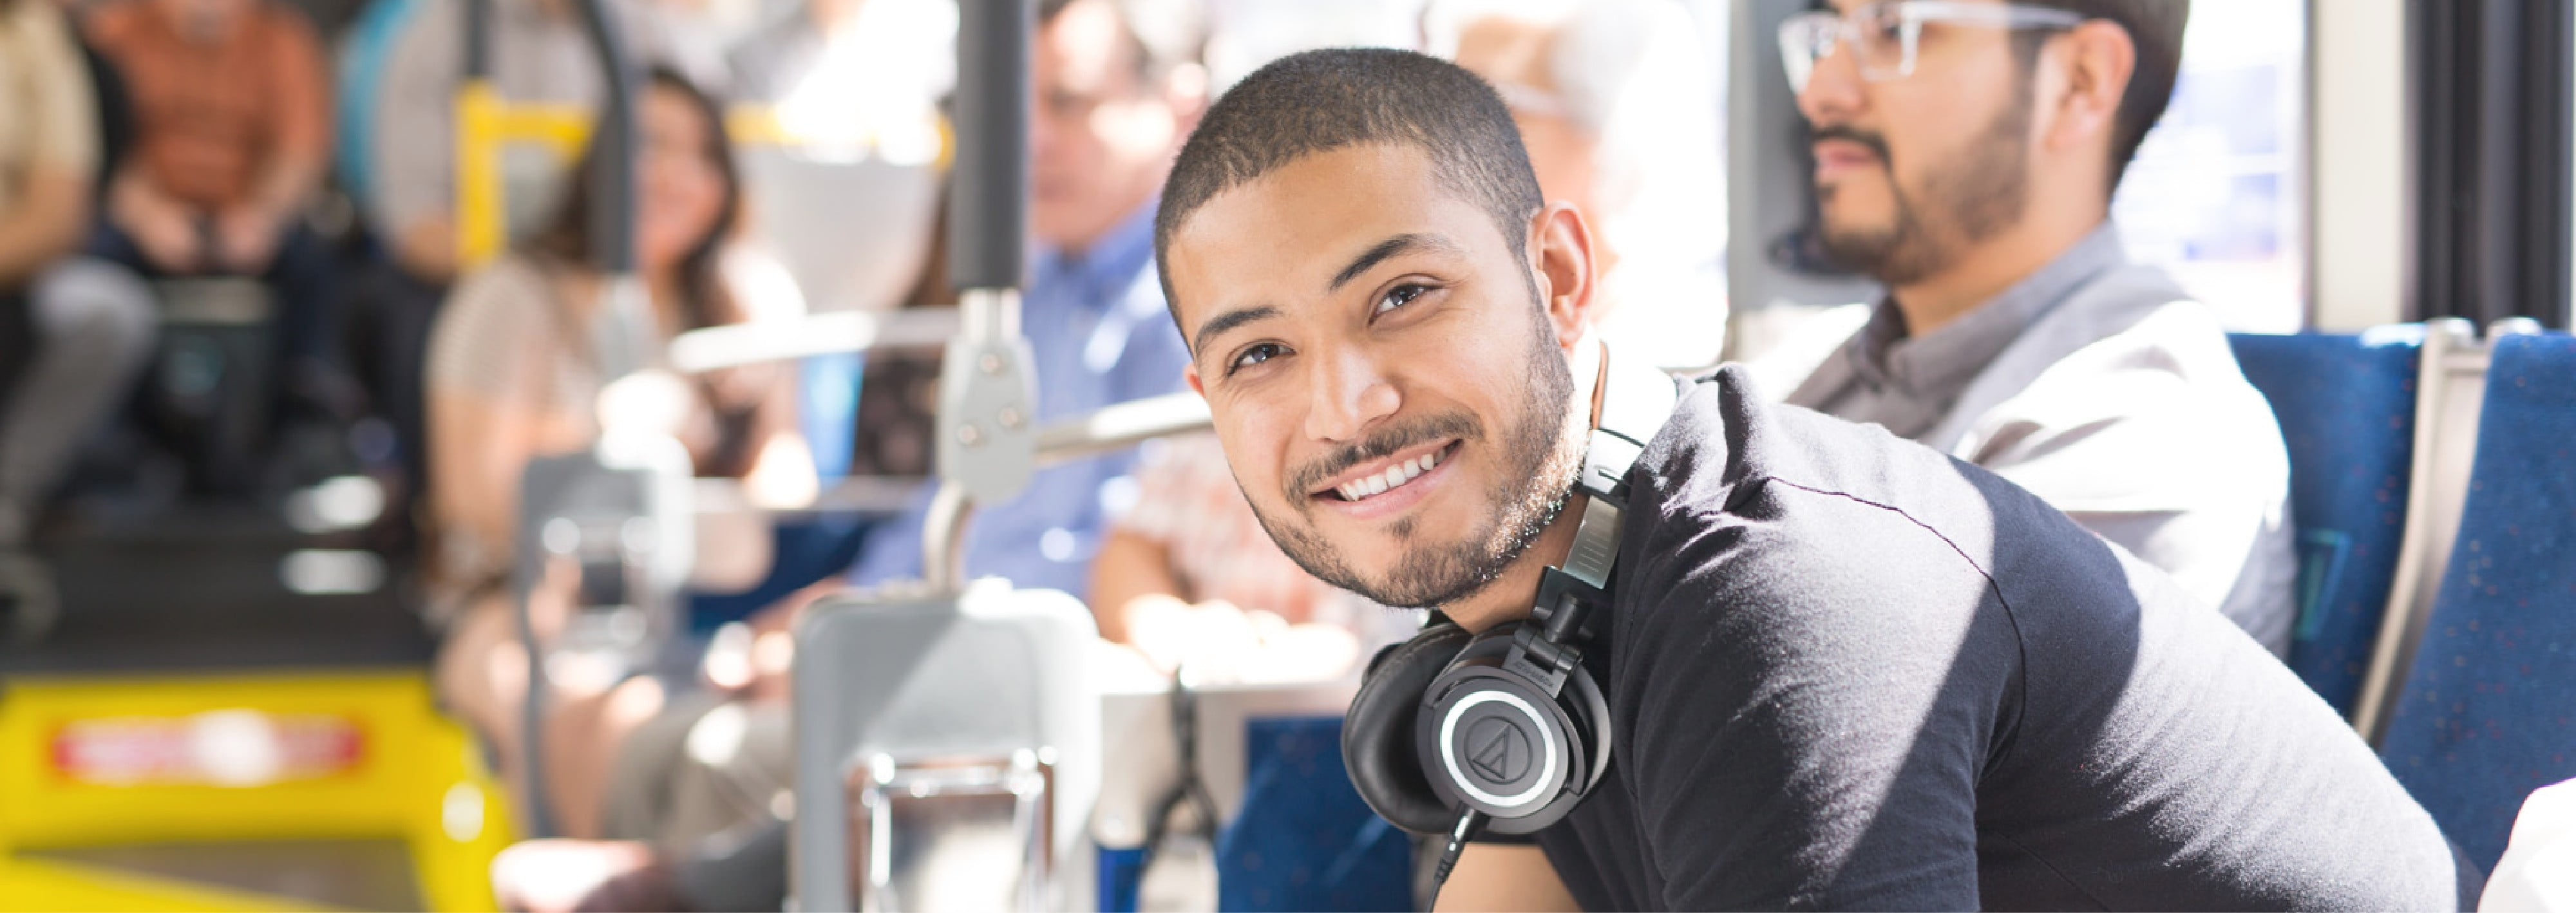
(1377, 735)
(1584, 702)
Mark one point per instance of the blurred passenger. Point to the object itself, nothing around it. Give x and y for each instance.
(1617, 104)
(1970, 170)
(538, 55)
(232, 133)
(76, 329)
(513, 375)
(1118, 90)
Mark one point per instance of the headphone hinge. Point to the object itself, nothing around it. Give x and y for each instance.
(1544, 650)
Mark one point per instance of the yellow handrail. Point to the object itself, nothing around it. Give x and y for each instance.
(484, 124)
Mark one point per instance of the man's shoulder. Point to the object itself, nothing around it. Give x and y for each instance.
(2156, 380)
(1781, 517)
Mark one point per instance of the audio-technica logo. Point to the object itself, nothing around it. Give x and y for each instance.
(1497, 750)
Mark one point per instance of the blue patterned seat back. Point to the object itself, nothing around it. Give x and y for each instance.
(2346, 405)
(1304, 840)
(2488, 712)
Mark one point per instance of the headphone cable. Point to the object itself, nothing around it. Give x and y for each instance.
(1468, 825)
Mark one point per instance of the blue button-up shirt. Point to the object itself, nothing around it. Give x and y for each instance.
(1100, 335)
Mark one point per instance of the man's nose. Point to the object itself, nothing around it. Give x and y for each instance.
(1834, 90)
(1350, 394)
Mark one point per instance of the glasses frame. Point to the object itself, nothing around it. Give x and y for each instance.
(1808, 38)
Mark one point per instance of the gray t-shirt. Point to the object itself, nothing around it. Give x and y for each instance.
(2099, 385)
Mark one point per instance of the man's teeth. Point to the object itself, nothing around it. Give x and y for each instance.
(1394, 477)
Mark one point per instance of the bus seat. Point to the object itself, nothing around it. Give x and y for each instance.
(964, 729)
(1304, 840)
(2484, 716)
(2346, 405)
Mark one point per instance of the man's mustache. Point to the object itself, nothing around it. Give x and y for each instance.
(1379, 445)
(1870, 139)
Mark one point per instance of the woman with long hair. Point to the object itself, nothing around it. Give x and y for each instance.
(513, 374)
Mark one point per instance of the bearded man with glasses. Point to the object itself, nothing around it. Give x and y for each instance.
(1966, 154)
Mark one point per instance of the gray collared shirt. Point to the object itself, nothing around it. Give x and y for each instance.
(1909, 383)
(2097, 384)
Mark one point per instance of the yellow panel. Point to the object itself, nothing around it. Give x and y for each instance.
(415, 775)
(478, 175)
(484, 124)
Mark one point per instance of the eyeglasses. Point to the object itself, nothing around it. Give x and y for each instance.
(1883, 36)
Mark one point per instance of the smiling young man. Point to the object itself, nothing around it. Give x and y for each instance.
(1841, 670)
(1966, 153)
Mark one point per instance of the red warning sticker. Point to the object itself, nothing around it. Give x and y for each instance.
(234, 748)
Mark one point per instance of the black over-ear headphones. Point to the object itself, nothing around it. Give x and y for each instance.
(1453, 733)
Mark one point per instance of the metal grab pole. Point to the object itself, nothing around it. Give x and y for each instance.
(1113, 427)
(986, 447)
(989, 216)
(620, 329)
(624, 325)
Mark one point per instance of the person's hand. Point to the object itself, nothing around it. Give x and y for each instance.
(1302, 652)
(561, 876)
(1218, 642)
(246, 239)
(167, 237)
(164, 230)
(1208, 637)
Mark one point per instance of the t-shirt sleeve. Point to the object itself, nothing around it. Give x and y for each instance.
(1803, 727)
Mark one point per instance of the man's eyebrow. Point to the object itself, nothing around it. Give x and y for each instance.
(1227, 320)
(1383, 250)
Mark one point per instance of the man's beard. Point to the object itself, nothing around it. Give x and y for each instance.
(1541, 455)
(1974, 196)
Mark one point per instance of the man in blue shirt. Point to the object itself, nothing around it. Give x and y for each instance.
(1117, 90)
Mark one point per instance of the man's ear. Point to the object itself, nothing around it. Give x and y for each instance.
(2099, 60)
(1561, 251)
(1191, 373)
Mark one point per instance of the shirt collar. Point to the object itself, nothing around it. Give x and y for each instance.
(1938, 365)
(1111, 262)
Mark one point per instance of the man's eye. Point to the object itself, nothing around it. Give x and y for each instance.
(1399, 296)
(1255, 355)
(1882, 25)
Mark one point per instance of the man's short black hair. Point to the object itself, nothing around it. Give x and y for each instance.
(2155, 27)
(1320, 101)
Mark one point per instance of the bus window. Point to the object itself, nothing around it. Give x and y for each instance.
(2216, 193)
